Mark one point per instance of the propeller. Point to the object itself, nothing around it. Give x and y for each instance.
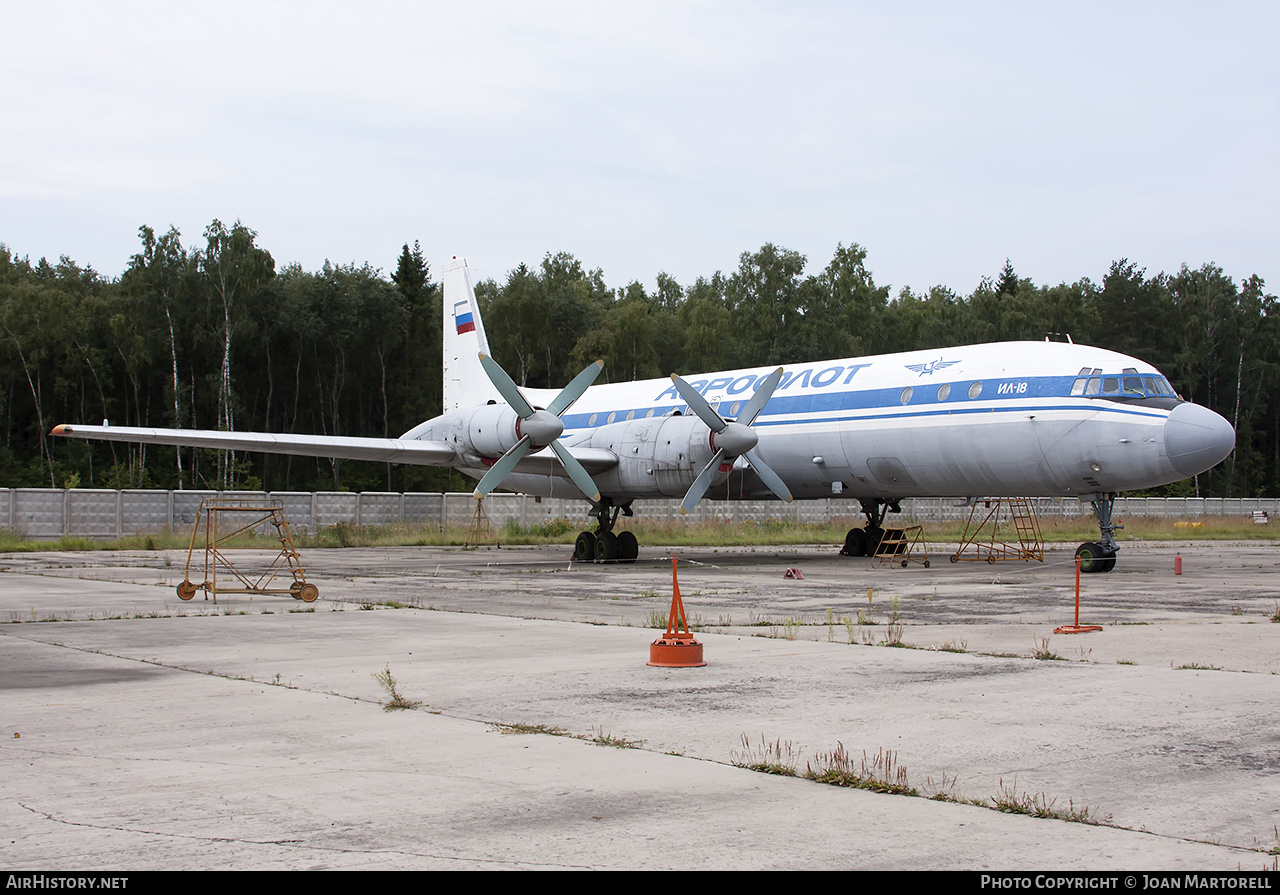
(538, 428)
(731, 439)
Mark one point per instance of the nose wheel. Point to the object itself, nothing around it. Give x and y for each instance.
(1095, 558)
(1101, 556)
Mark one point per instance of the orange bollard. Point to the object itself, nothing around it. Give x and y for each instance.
(1177, 564)
(677, 648)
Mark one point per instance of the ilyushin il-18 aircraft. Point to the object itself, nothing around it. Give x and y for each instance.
(1048, 419)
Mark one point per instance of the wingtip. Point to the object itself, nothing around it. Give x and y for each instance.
(62, 429)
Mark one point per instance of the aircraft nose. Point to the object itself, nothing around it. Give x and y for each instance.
(1196, 439)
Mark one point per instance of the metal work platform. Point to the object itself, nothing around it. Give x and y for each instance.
(225, 519)
(985, 532)
(901, 546)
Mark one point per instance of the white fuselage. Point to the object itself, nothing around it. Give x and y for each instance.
(982, 420)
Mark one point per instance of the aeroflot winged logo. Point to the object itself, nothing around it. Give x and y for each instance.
(932, 366)
(462, 317)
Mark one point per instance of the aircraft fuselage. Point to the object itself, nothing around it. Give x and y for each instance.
(999, 419)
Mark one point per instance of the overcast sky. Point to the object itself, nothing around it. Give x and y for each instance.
(646, 136)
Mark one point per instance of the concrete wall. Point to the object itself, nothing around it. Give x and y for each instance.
(46, 513)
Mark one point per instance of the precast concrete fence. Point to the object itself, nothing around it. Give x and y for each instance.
(49, 514)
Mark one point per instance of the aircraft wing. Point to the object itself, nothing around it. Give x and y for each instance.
(545, 462)
(382, 450)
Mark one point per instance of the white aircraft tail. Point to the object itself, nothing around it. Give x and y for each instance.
(465, 382)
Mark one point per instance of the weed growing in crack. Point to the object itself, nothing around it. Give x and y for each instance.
(768, 758)
(546, 729)
(1042, 651)
(600, 738)
(1039, 805)
(395, 699)
(893, 633)
(881, 774)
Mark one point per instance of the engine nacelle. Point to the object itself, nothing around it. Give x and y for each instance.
(656, 455)
(489, 431)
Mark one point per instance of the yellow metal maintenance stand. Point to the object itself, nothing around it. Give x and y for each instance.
(241, 516)
(480, 529)
(987, 540)
(899, 546)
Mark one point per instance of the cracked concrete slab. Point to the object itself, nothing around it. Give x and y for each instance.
(142, 732)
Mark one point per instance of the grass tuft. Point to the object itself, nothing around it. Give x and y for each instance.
(1010, 801)
(600, 738)
(881, 774)
(1042, 651)
(768, 758)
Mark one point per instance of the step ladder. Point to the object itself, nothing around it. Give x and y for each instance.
(983, 533)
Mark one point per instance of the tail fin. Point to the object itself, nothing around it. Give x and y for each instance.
(465, 382)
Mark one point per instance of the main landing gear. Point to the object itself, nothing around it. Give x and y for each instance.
(1101, 556)
(603, 545)
(864, 541)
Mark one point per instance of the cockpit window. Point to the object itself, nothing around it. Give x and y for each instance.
(1130, 384)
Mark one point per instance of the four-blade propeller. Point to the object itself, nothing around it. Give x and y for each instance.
(542, 428)
(538, 428)
(731, 439)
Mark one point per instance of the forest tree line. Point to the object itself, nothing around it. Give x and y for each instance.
(212, 335)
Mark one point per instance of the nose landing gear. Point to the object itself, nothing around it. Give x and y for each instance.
(1101, 556)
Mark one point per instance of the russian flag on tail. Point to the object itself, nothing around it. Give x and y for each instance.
(462, 317)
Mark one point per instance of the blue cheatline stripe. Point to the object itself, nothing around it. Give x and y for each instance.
(579, 421)
(884, 399)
